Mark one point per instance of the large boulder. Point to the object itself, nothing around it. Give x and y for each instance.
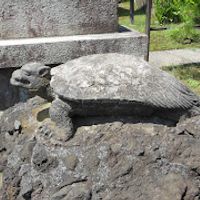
(107, 158)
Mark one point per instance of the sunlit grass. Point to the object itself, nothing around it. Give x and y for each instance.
(188, 74)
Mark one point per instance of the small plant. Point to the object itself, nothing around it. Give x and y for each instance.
(185, 34)
(168, 11)
(176, 11)
(186, 12)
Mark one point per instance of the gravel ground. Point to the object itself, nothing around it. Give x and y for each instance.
(174, 57)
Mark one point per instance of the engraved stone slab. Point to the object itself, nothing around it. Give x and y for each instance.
(39, 18)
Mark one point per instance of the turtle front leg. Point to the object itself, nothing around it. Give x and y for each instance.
(60, 113)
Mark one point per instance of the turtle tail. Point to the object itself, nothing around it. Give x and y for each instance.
(196, 111)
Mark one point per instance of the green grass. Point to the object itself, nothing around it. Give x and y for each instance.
(160, 40)
(188, 74)
(124, 17)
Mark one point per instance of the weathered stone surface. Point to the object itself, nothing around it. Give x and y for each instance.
(41, 161)
(74, 191)
(57, 50)
(13, 122)
(1, 180)
(114, 160)
(70, 161)
(22, 19)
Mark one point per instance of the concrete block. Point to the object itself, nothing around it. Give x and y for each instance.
(57, 50)
(41, 18)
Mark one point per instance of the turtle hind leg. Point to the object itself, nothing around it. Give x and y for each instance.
(195, 111)
(60, 113)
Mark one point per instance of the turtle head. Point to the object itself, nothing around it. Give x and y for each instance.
(32, 76)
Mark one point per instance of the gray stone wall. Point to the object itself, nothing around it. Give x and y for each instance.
(38, 18)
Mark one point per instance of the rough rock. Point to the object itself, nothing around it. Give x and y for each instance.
(116, 159)
(41, 161)
(15, 124)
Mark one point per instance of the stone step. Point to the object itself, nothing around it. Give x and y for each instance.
(57, 50)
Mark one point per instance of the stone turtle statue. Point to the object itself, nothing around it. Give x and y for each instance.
(109, 85)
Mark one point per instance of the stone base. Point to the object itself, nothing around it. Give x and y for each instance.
(57, 50)
(106, 159)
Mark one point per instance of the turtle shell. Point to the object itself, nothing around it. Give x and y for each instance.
(119, 77)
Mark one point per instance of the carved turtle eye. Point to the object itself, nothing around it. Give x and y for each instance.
(44, 71)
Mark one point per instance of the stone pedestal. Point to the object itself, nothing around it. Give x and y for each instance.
(58, 50)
